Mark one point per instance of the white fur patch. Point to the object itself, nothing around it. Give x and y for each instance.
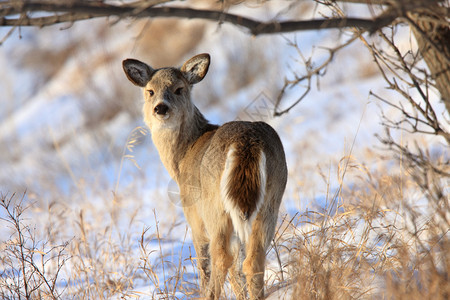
(242, 227)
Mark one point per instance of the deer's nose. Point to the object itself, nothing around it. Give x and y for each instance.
(161, 109)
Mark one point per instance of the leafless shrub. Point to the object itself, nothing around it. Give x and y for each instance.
(30, 268)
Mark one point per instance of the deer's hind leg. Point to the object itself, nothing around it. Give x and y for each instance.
(254, 263)
(237, 279)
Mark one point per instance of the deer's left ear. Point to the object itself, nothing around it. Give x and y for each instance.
(196, 68)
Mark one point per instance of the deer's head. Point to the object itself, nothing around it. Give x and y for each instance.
(167, 90)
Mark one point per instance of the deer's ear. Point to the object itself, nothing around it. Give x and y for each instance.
(137, 72)
(196, 68)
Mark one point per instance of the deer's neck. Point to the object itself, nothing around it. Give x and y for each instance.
(173, 143)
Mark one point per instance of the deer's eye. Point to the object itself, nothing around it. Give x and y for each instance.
(151, 92)
(178, 91)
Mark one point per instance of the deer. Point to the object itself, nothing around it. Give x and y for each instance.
(231, 178)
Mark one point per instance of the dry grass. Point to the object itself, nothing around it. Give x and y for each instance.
(377, 236)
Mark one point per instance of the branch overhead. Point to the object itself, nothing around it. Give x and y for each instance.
(19, 13)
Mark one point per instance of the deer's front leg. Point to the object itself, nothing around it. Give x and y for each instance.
(203, 261)
(201, 245)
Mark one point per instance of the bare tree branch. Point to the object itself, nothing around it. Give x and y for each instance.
(72, 12)
(310, 73)
(423, 113)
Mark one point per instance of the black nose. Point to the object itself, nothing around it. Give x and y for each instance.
(161, 109)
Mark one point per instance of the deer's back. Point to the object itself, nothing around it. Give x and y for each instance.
(205, 160)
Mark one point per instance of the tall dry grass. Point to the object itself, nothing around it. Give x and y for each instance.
(378, 236)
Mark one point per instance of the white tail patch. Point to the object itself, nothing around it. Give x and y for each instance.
(241, 225)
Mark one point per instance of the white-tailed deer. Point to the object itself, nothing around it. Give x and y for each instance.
(231, 177)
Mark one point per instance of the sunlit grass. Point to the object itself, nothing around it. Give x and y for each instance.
(370, 240)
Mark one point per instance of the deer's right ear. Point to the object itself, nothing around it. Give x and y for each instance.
(196, 68)
(137, 72)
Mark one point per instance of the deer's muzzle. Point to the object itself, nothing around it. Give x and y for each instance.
(161, 109)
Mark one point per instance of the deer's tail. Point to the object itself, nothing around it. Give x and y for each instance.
(243, 186)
